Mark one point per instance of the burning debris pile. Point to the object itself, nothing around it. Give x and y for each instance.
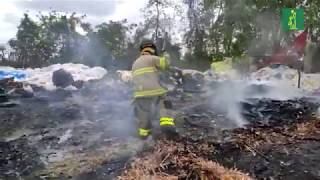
(269, 112)
(203, 121)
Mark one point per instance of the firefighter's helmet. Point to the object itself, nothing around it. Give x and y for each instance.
(147, 45)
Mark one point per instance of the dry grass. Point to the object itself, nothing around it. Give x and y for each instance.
(174, 160)
(171, 161)
(257, 137)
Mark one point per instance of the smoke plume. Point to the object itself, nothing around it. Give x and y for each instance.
(226, 97)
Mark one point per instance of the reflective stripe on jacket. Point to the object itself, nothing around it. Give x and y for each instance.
(146, 75)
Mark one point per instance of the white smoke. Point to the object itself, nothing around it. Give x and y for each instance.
(108, 103)
(226, 97)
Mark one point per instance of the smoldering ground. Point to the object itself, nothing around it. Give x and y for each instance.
(227, 97)
(109, 102)
(71, 133)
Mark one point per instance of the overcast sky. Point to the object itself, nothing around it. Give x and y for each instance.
(97, 11)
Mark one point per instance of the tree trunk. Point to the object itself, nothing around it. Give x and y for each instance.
(158, 16)
(308, 57)
(2, 55)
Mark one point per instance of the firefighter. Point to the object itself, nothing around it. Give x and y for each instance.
(149, 95)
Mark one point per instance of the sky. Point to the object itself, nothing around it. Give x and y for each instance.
(97, 11)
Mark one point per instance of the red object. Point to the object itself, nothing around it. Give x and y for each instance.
(279, 57)
(300, 42)
(287, 56)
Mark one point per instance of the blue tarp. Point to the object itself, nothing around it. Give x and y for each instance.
(18, 75)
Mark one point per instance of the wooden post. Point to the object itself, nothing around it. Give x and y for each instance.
(299, 78)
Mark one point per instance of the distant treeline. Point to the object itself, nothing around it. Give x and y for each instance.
(212, 30)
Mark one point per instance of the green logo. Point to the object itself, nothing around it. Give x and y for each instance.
(292, 19)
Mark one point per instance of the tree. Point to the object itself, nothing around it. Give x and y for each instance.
(219, 28)
(27, 42)
(196, 36)
(53, 39)
(60, 36)
(2, 54)
(113, 35)
(157, 18)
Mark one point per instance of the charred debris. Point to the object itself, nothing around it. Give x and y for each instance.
(84, 134)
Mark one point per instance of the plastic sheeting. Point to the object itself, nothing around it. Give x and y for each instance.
(17, 75)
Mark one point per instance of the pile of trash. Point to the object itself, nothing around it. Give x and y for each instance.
(275, 72)
(42, 77)
(285, 75)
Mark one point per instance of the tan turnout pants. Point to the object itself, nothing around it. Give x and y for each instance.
(148, 110)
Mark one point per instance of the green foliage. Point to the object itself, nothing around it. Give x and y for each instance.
(113, 36)
(156, 17)
(28, 41)
(59, 32)
(231, 28)
(108, 45)
(217, 29)
(53, 39)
